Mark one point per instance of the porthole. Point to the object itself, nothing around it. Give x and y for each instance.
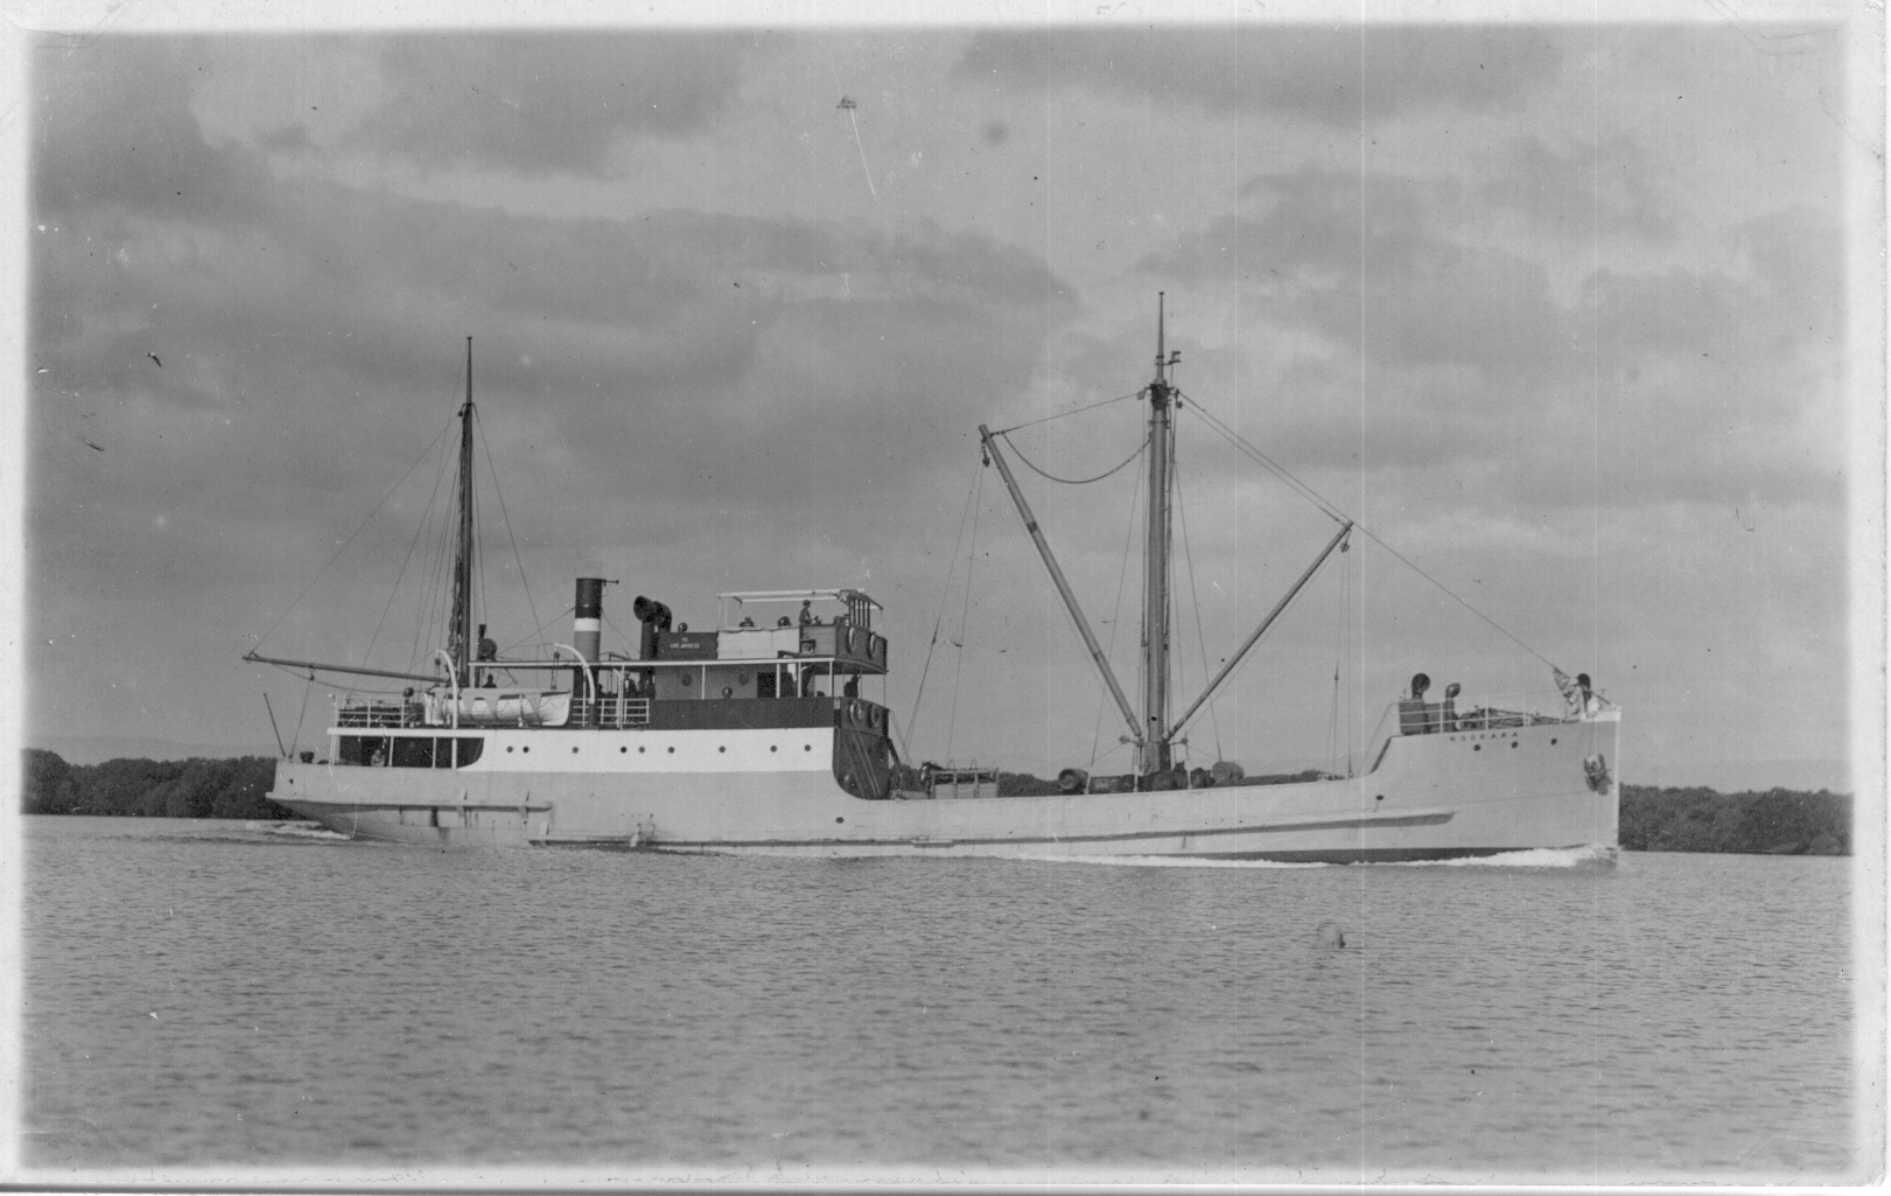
(1552, 741)
(526, 748)
(807, 747)
(508, 747)
(1477, 747)
(1513, 743)
(773, 748)
(574, 749)
(622, 750)
(671, 750)
(720, 748)
(640, 749)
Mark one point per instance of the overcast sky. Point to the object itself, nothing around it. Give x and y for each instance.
(1568, 314)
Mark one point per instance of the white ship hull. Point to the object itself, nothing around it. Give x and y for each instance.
(773, 792)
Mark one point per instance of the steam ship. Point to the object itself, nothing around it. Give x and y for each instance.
(754, 737)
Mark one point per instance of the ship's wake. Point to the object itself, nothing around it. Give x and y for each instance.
(295, 830)
(1169, 861)
(1595, 857)
(1592, 857)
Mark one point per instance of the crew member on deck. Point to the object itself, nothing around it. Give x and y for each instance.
(1416, 716)
(1451, 706)
(1580, 700)
(1593, 703)
(487, 651)
(807, 612)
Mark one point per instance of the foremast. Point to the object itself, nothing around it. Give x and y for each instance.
(460, 641)
(460, 631)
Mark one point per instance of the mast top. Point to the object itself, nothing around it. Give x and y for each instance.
(1164, 358)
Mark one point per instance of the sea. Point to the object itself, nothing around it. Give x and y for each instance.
(214, 1002)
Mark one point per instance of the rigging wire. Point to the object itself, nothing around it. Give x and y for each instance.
(511, 537)
(433, 583)
(1079, 409)
(1350, 590)
(394, 590)
(1314, 497)
(1074, 481)
(615, 630)
(1449, 593)
(477, 599)
(295, 741)
(1339, 652)
(945, 587)
(958, 671)
(1266, 462)
(1116, 610)
(1168, 580)
(1195, 599)
(432, 609)
(431, 602)
(351, 536)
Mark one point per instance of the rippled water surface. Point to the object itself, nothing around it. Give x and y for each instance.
(204, 998)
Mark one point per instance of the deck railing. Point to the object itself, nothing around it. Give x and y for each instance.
(375, 712)
(1405, 716)
(610, 710)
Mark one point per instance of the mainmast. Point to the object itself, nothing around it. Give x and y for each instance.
(460, 635)
(1153, 734)
(1155, 753)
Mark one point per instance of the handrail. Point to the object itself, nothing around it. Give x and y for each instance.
(621, 666)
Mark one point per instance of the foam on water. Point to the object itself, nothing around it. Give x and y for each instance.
(297, 830)
(1591, 856)
(1167, 861)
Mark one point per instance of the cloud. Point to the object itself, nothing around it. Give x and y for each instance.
(719, 386)
(1359, 260)
(113, 128)
(1416, 348)
(309, 356)
(1334, 75)
(549, 101)
(1581, 189)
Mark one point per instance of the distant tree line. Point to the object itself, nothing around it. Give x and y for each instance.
(195, 788)
(1776, 822)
